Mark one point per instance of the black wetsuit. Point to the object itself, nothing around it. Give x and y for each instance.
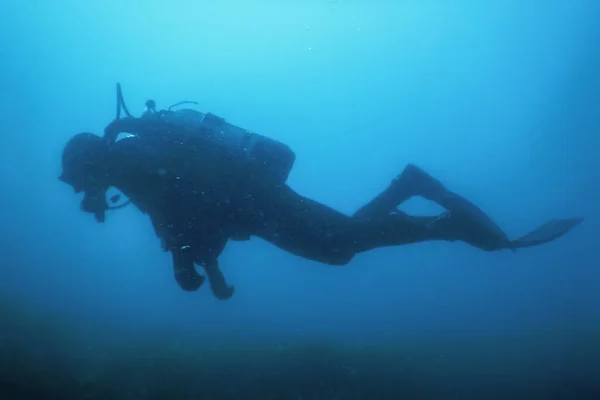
(196, 207)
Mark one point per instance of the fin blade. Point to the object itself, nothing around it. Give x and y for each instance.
(546, 233)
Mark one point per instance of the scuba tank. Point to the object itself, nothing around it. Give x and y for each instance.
(269, 158)
(265, 159)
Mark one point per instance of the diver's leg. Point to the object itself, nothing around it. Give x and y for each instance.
(433, 190)
(399, 229)
(388, 200)
(413, 181)
(314, 231)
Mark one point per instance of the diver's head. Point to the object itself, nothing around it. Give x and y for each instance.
(83, 162)
(84, 168)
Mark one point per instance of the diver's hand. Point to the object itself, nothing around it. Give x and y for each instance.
(222, 293)
(218, 286)
(100, 216)
(94, 202)
(184, 271)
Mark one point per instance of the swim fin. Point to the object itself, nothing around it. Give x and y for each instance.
(546, 233)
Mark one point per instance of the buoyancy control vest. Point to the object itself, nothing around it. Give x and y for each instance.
(237, 149)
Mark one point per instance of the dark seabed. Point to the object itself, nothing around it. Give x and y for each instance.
(46, 359)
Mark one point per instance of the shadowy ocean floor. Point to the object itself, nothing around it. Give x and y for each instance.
(44, 359)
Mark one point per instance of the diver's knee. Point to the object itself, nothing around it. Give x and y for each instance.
(414, 171)
(411, 166)
(340, 258)
(408, 174)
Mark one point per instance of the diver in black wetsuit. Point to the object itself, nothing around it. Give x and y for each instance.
(202, 188)
(197, 214)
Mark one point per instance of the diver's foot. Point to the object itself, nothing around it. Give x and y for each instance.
(416, 182)
(461, 226)
(420, 183)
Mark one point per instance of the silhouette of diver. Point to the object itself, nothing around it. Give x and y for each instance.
(202, 185)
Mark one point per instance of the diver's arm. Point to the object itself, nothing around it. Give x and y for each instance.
(218, 285)
(184, 270)
(94, 202)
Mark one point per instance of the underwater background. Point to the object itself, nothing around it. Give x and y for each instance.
(498, 99)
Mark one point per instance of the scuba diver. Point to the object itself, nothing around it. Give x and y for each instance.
(204, 181)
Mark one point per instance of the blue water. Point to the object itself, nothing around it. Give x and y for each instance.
(499, 99)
